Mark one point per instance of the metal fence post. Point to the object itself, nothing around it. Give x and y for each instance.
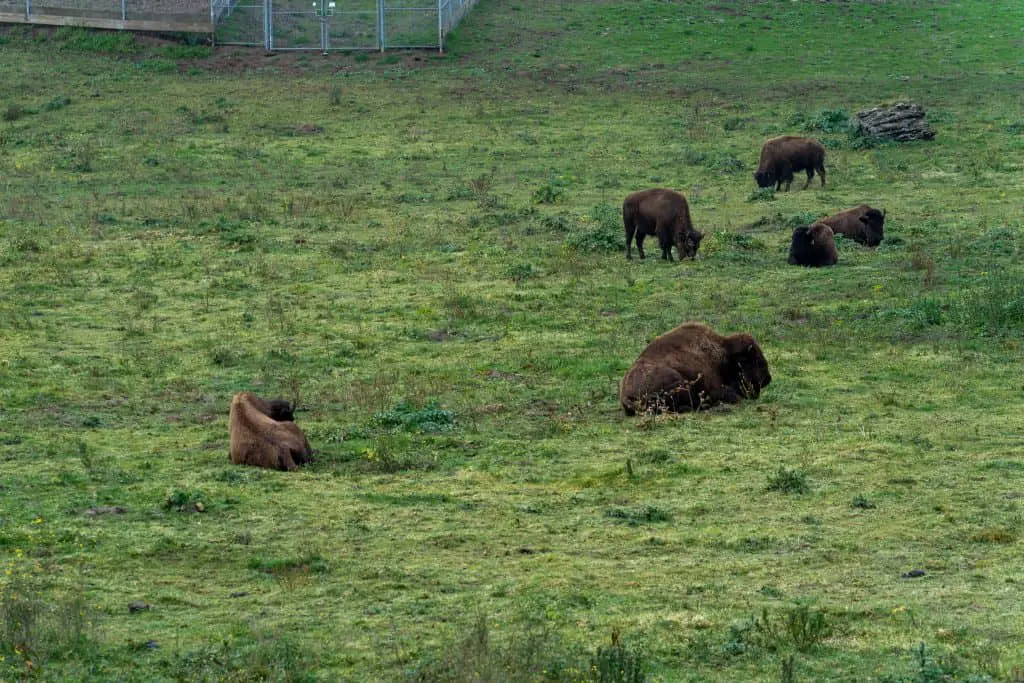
(440, 28)
(268, 25)
(124, 10)
(381, 24)
(28, 9)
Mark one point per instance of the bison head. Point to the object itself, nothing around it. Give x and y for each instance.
(752, 373)
(281, 411)
(764, 178)
(874, 226)
(689, 244)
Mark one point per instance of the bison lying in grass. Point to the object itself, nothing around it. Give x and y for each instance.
(664, 213)
(692, 368)
(258, 439)
(813, 246)
(783, 156)
(861, 224)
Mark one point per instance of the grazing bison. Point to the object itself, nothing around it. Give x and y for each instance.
(861, 224)
(783, 156)
(692, 367)
(813, 245)
(258, 439)
(663, 213)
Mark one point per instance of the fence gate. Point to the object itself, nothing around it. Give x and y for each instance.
(333, 24)
(324, 24)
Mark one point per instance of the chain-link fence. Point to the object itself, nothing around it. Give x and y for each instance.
(322, 25)
(193, 16)
(327, 25)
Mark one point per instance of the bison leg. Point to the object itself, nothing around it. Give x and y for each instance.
(810, 175)
(664, 233)
(630, 232)
(821, 174)
(284, 459)
(640, 235)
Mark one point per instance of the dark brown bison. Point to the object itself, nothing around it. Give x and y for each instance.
(813, 245)
(691, 368)
(259, 440)
(783, 156)
(861, 224)
(664, 213)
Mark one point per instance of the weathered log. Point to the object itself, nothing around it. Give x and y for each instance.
(903, 121)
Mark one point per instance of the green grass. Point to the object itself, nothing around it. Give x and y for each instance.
(422, 252)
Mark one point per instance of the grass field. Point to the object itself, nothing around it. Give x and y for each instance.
(426, 251)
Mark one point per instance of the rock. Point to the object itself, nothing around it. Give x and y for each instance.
(913, 574)
(138, 606)
(239, 594)
(903, 121)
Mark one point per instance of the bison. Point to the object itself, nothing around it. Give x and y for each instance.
(258, 439)
(813, 246)
(861, 224)
(693, 368)
(664, 213)
(783, 156)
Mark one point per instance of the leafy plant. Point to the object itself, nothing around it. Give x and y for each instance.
(788, 481)
(407, 416)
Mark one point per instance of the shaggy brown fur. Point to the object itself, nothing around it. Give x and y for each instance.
(783, 156)
(691, 368)
(664, 213)
(861, 224)
(261, 441)
(813, 245)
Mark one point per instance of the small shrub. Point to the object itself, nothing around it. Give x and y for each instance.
(603, 232)
(617, 663)
(734, 123)
(692, 157)
(185, 501)
(646, 514)
(726, 163)
(830, 121)
(519, 272)
(57, 103)
(14, 112)
(654, 457)
(800, 628)
(406, 416)
(788, 481)
(762, 194)
(550, 192)
(307, 563)
(862, 503)
(740, 241)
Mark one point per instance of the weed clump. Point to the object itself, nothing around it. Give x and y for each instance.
(406, 416)
(646, 514)
(788, 481)
(38, 628)
(185, 501)
(602, 232)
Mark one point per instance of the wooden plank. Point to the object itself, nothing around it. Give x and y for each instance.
(186, 26)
